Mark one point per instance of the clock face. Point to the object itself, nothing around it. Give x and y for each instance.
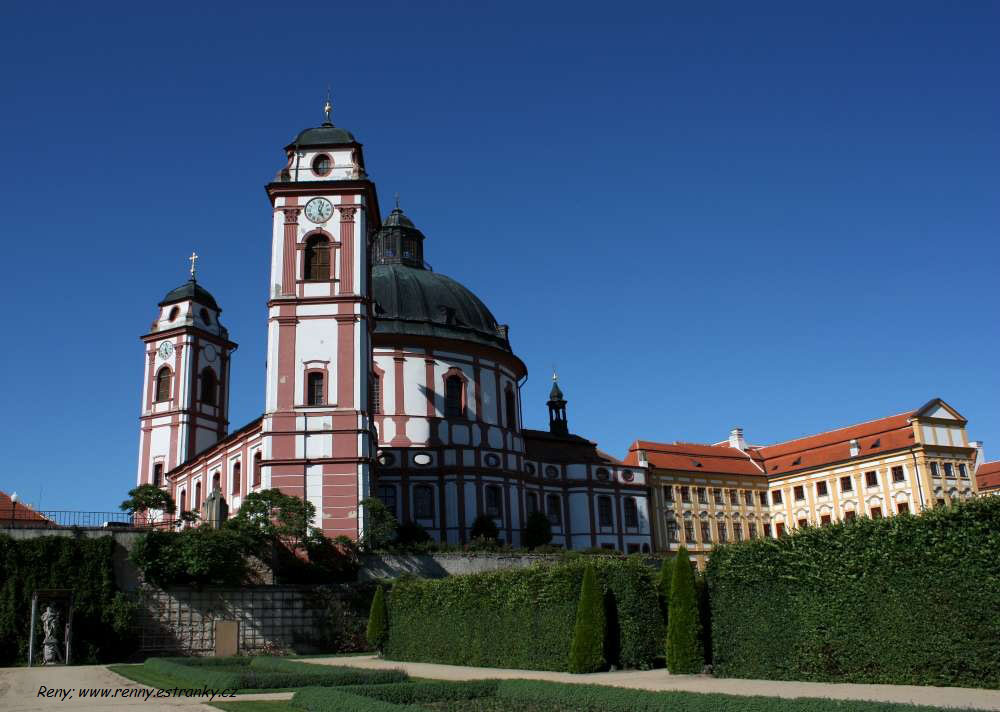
(319, 210)
(165, 350)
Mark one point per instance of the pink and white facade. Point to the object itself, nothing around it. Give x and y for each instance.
(383, 379)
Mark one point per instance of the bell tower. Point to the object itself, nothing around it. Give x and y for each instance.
(185, 395)
(317, 433)
(558, 425)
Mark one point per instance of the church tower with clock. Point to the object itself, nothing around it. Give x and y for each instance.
(316, 432)
(185, 399)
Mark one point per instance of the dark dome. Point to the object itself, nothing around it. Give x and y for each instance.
(325, 135)
(417, 302)
(193, 291)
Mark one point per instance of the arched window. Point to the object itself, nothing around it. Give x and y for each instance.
(321, 164)
(317, 259)
(553, 506)
(182, 503)
(315, 393)
(387, 495)
(423, 502)
(209, 387)
(163, 384)
(631, 512)
(256, 468)
(531, 503)
(494, 501)
(453, 397)
(375, 397)
(173, 313)
(158, 474)
(216, 482)
(237, 472)
(196, 503)
(604, 513)
(510, 404)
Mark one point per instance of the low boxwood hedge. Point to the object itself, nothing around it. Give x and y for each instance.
(266, 673)
(325, 699)
(524, 618)
(902, 600)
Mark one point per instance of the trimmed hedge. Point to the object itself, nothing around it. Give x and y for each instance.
(102, 615)
(523, 618)
(378, 621)
(902, 600)
(320, 699)
(586, 651)
(409, 693)
(685, 655)
(266, 673)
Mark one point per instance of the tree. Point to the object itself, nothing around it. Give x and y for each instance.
(411, 535)
(146, 497)
(684, 651)
(271, 514)
(378, 622)
(586, 652)
(663, 584)
(484, 528)
(379, 525)
(537, 531)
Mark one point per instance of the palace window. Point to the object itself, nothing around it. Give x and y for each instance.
(553, 503)
(689, 532)
(183, 502)
(196, 504)
(723, 533)
(387, 495)
(531, 503)
(237, 476)
(216, 482)
(717, 495)
(668, 493)
(163, 384)
(763, 499)
(685, 493)
(209, 387)
(256, 468)
(158, 474)
(748, 498)
(849, 515)
(317, 258)
(776, 497)
(876, 512)
(423, 502)
(934, 470)
(821, 489)
(871, 479)
(375, 397)
(824, 520)
(706, 533)
(672, 532)
(631, 512)
(453, 397)
(803, 523)
(510, 405)
(734, 497)
(903, 507)
(321, 164)
(494, 500)
(800, 492)
(846, 484)
(702, 495)
(753, 530)
(737, 531)
(962, 470)
(315, 393)
(897, 474)
(767, 530)
(604, 516)
(949, 471)
(939, 502)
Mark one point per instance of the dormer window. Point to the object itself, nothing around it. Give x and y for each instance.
(322, 165)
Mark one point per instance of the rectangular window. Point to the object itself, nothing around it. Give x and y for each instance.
(685, 494)
(763, 499)
(821, 489)
(723, 533)
(717, 495)
(158, 474)
(876, 512)
(962, 471)
(939, 502)
(846, 484)
(531, 503)
(633, 548)
(824, 519)
(737, 531)
(631, 512)
(734, 497)
(897, 474)
(803, 523)
(494, 501)
(672, 532)
(423, 502)
(849, 515)
(748, 498)
(767, 530)
(934, 470)
(315, 394)
(553, 503)
(668, 493)
(387, 493)
(706, 533)
(609, 547)
(753, 530)
(702, 495)
(604, 517)
(871, 479)
(800, 492)
(689, 532)
(902, 507)
(376, 395)
(949, 471)
(776, 498)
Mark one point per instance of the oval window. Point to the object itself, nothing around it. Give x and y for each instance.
(603, 474)
(551, 471)
(173, 313)
(492, 460)
(321, 164)
(386, 458)
(628, 476)
(529, 467)
(421, 458)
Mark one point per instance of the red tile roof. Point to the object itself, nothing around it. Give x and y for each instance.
(719, 459)
(19, 514)
(988, 476)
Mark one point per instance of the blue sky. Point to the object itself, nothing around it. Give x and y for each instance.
(775, 215)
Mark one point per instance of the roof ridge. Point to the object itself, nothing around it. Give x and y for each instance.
(834, 430)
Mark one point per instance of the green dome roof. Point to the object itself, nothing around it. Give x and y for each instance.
(193, 291)
(325, 135)
(417, 302)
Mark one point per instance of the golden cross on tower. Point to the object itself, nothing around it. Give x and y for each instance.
(193, 258)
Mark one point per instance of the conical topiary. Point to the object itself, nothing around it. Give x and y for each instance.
(378, 622)
(586, 653)
(684, 651)
(663, 583)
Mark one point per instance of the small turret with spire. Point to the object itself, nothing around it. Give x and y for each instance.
(558, 424)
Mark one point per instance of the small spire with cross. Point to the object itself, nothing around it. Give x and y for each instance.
(397, 200)
(327, 108)
(193, 259)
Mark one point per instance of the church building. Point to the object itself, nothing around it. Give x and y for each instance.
(384, 378)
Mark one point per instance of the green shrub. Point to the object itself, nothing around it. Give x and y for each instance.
(586, 652)
(411, 535)
(408, 693)
(103, 616)
(380, 525)
(318, 699)
(196, 555)
(537, 531)
(901, 600)
(378, 621)
(663, 583)
(524, 618)
(265, 672)
(684, 652)
(484, 528)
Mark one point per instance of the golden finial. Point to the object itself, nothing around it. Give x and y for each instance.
(193, 259)
(327, 106)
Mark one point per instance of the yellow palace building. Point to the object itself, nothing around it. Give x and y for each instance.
(704, 494)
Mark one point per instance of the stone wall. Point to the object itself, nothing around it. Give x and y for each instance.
(390, 566)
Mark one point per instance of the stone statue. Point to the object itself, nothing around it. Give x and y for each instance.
(50, 644)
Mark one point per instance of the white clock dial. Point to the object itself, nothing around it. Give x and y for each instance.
(319, 210)
(165, 350)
